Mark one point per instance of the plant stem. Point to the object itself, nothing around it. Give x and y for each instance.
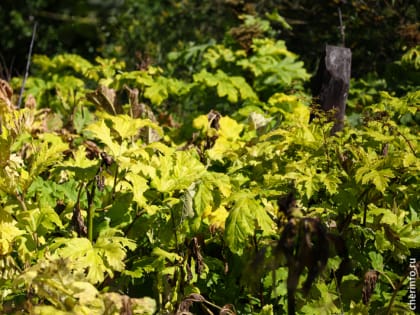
(394, 294)
(174, 227)
(389, 280)
(338, 293)
(115, 183)
(327, 152)
(90, 210)
(21, 200)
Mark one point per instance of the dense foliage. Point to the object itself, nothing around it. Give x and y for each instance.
(205, 188)
(130, 30)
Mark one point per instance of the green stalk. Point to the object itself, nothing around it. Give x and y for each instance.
(90, 211)
(90, 224)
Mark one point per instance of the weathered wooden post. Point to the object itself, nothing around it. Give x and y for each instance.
(330, 85)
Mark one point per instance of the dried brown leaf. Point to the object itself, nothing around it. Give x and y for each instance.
(369, 283)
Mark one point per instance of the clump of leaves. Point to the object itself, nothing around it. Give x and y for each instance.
(123, 202)
(66, 290)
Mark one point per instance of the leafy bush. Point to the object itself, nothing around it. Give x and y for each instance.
(110, 205)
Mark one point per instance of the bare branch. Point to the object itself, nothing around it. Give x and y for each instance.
(28, 64)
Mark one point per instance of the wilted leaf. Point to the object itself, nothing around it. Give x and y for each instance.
(105, 98)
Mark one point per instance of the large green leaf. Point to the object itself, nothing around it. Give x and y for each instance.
(177, 171)
(97, 260)
(203, 198)
(47, 152)
(246, 216)
(102, 132)
(379, 178)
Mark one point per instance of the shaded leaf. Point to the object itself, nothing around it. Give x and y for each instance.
(246, 216)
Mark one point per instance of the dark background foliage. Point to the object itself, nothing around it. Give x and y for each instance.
(146, 31)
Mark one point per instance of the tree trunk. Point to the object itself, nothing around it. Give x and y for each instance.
(330, 85)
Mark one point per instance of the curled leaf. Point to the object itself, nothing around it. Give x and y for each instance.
(369, 283)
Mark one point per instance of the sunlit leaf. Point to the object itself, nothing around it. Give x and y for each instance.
(101, 132)
(229, 128)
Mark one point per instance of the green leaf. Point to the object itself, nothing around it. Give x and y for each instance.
(330, 181)
(305, 176)
(246, 216)
(81, 118)
(8, 232)
(104, 257)
(227, 86)
(47, 153)
(229, 128)
(80, 166)
(128, 127)
(112, 248)
(201, 123)
(121, 211)
(203, 198)
(81, 252)
(50, 218)
(34, 219)
(274, 16)
(377, 261)
(172, 257)
(138, 186)
(206, 193)
(379, 178)
(245, 90)
(206, 77)
(267, 310)
(187, 201)
(381, 242)
(157, 92)
(101, 132)
(386, 216)
(224, 149)
(410, 235)
(228, 90)
(143, 306)
(177, 171)
(324, 304)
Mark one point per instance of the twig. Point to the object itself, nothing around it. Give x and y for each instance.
(6, 71)
(408, 142)
(28, 64)
(342, 27)
(21, 201)
(402, 136)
